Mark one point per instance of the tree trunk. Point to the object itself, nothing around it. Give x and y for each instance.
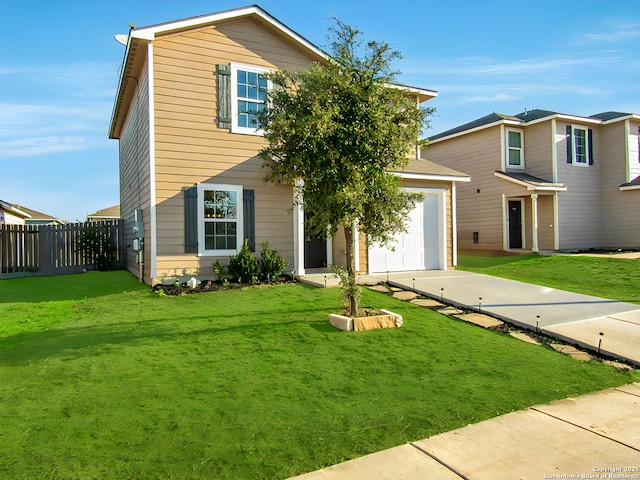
(351, 272)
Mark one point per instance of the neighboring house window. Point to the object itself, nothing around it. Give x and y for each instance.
(220, 230)
(515, 149)
(249, 88)
(579, 145)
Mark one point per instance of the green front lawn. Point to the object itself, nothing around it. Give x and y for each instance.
(613, 278)
(101, 378)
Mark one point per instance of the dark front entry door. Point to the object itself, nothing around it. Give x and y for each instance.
(315, 252)
(515, 224)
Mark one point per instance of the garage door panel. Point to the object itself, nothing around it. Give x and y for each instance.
(417, 248)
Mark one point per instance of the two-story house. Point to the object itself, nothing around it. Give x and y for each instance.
(191, 183)
(542, 180)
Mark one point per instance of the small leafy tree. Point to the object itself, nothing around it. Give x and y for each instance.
(243, 265)
(335, 132)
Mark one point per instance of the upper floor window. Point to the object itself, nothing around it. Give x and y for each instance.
(249, 88)
(515, 149)
(579, 145)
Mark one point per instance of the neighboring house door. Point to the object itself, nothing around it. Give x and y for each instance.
(515, 224)
(315, 252)
(418, 248)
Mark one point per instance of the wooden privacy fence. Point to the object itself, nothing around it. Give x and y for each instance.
(61, 249)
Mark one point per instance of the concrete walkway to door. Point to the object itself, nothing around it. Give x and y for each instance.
(590, 322)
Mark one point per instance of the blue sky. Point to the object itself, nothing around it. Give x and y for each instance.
(59, 72)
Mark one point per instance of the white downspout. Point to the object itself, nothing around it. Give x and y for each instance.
(454, 227)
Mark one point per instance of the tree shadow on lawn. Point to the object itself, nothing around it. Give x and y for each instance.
(78, 286)
(73, 343)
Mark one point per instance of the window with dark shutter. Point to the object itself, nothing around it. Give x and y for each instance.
(224, 95)
(569, 145)
(249, 223)
(190, 219)
(590, 145)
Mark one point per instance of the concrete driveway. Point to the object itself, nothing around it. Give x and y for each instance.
(590, 322)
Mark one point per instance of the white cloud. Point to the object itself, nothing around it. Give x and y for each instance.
(618, 33)
(33, 146)
(500, 97)
(484, 66)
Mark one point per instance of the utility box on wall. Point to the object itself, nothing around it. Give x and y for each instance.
(138, 226)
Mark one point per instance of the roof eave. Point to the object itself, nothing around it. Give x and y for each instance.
(631, 116)
(550, 187)
(624, 188)
(432, 176)
(151, 32)
(503, 121)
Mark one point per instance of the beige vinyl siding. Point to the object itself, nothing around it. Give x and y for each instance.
(134, 149)
(190, 149)
(478, 155)
(538, 150)
(619, 208)
(11, 219)
(579, 214)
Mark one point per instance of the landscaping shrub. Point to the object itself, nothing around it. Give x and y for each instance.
(243, 266)
(272, 264)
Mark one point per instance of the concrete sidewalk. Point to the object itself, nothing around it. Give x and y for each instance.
(590, 322)
(592, 436)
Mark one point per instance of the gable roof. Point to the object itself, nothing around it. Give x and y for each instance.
(38, 216)
(528, 117)
(138, 38)
(135, 54)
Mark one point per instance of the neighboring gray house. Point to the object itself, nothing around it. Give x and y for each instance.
(542, 180)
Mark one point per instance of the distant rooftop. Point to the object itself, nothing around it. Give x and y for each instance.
(524, 118)
(106, 213)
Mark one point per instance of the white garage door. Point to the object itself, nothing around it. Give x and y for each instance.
(416, 249)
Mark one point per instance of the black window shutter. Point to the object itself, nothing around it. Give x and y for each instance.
(590, 143)
(249, 221)
(190, 219)
(224, 95)
(569, 145)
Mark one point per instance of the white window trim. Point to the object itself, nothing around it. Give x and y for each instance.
(573, 145)
(239, 227)
(506, 143)
(234, 98)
